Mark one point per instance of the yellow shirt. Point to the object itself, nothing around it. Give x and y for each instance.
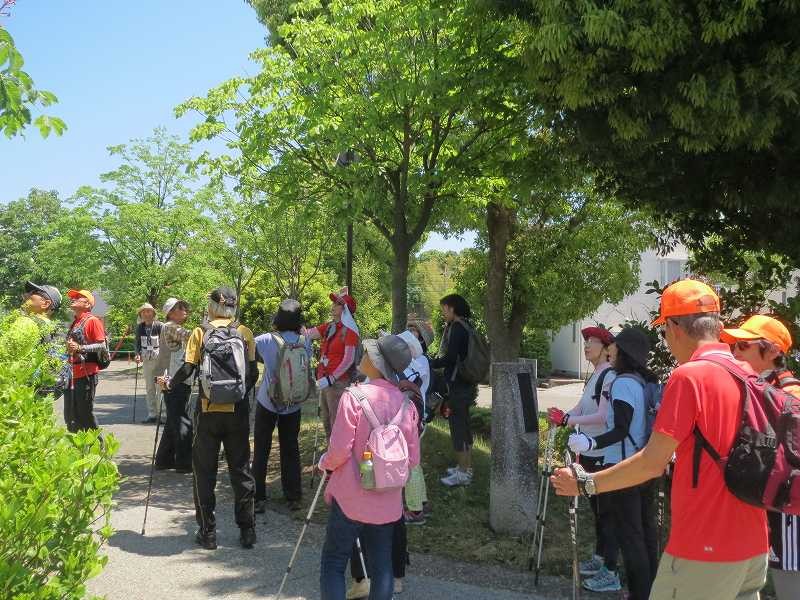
(193, 351)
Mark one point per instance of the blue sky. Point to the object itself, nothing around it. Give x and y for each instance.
(119, 69)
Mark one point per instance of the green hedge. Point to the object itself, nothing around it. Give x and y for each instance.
(55, 487)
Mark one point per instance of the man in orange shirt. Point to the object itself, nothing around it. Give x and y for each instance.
(339, 341)
(763, 342)
(86, 337)
(718, 544)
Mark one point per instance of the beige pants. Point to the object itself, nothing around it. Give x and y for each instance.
(149, 374)
(682, 579)
(329, 403)
(787, 584)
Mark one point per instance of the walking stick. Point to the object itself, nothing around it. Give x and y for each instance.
(660, 515)
(153, 460)
(302, 533)
(135, 392)
(537, 543)
(573, 534)
(316, 439)
(361, 558)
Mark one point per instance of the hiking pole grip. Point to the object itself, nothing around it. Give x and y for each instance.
(302, 533)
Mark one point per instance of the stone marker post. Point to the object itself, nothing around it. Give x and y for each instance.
(515, 447)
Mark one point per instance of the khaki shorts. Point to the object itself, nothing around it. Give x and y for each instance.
(683, 579)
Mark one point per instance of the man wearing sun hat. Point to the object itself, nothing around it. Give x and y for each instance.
(85, 338)
(339, 343)
(763, 342)
(148, 331)
(718, 544)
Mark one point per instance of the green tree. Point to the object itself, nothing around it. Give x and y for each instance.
(688, 107)
(18, 93)
(422, 92)
(152, 229)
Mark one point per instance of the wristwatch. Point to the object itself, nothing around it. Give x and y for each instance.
(586, 485)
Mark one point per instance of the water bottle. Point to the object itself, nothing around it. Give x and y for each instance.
(367, 471)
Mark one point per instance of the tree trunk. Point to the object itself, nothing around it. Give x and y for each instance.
(402, 251)
(505, 343)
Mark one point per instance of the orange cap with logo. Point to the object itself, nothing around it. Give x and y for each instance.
(74, 294)
(760, 327)
(686, 297)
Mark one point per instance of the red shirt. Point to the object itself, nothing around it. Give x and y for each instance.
(708, 522)
(332, 350)
(93, 332)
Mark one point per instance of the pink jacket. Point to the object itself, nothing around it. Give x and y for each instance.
(348, 441)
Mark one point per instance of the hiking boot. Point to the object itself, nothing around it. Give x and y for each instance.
(207, 539)
(604, 581)
(458, 477)
(414, 517)
(260, 507)
(247, 537)
(359, 589)
(592, 566)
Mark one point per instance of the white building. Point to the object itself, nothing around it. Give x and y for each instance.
(566, 348)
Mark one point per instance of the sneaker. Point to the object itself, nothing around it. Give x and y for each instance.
(451, 470)
(398, 586)
(458, 477)
(591, 566)
(207, 539)
(359, 589)
(260, 507)
(604, 581)
(414, 517)
(247, 537)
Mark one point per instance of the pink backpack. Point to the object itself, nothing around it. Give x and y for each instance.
(763, 467)
(387, 444)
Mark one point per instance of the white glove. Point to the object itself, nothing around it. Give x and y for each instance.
(580, 442)
(323, 382)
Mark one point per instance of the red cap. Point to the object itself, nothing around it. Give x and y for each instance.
(601, 333)
(344, 298)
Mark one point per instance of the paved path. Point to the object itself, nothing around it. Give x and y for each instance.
(165, 563)
(561, 396)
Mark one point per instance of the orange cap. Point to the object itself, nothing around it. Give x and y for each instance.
(686, 297)
(760, 327)
(74, 294)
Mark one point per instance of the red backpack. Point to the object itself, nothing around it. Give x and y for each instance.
(763, 466)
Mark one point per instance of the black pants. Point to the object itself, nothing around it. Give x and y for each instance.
(399, 553)
(79, 404)
(175, 447)
(633, 512)
(288, 433)
(460, 397)
(232, 430)
(606, 544)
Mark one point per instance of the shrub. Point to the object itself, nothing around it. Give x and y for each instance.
(536, 344)
(55, 486)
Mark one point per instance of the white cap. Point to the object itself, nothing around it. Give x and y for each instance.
(169, 305)
(412, 342)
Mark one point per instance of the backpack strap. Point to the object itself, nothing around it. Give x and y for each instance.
(700, 441)
(365, 406)
(398, 418)
(598, 387)
(784, 379)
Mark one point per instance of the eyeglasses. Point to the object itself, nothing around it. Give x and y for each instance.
(743, 345)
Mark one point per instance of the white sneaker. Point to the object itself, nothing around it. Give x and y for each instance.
(398, 586)
(359, 589)
(458, 477)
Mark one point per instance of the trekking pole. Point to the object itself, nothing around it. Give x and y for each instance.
(316, 439)
(135, 393)
(153, 460)
(660, 514)
(302, 533)
(361, 558)
(537, 542)
(573, 534)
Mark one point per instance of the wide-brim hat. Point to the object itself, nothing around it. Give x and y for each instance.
(389, 354)
(413, 343)
(46, 291)
(144, 307)
(635, 343)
